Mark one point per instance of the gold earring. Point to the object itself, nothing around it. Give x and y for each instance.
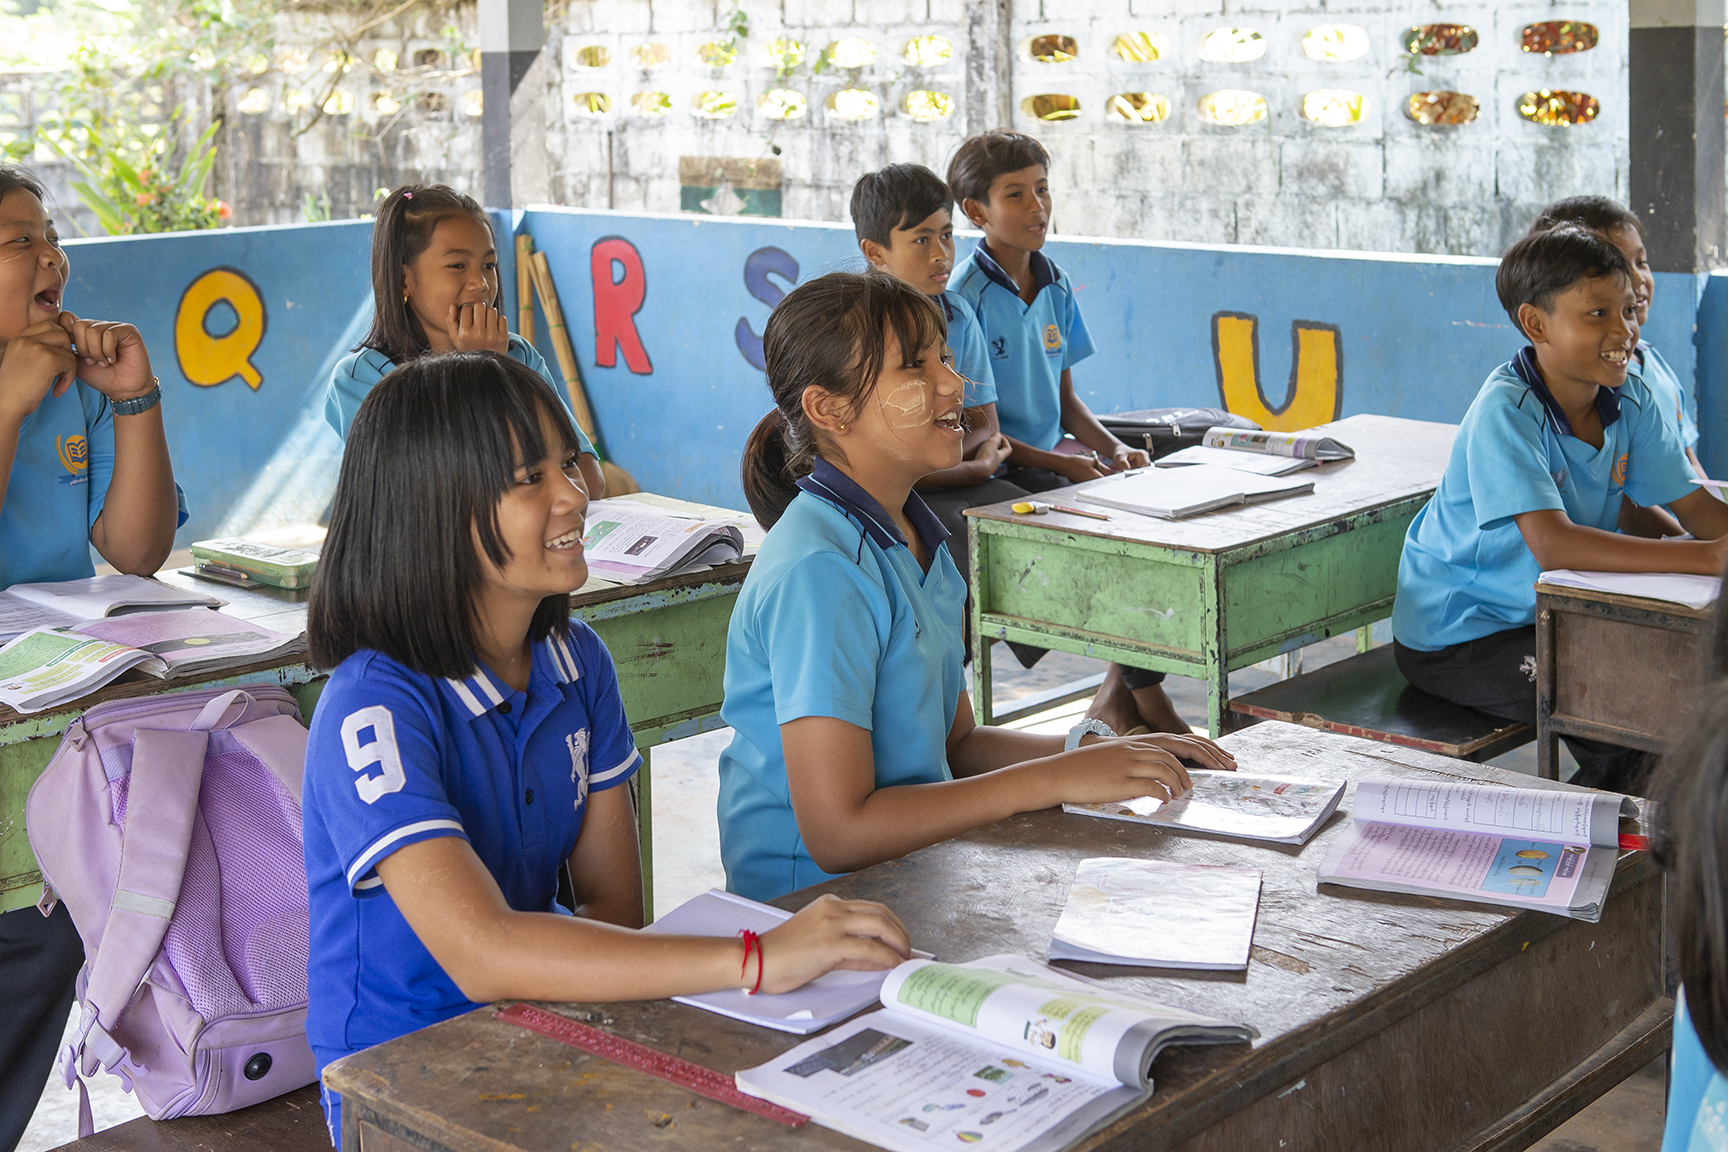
(404, 295)
(842, 427)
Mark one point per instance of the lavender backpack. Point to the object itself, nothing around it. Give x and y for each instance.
(170, 826)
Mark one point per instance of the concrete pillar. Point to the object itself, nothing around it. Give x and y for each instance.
(513, 112)
(1678, 139)
(989, 66)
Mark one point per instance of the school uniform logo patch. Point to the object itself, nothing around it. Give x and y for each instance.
(577, 743)
(999, 348)
(1052, 338)
(1620, 470)
(74, 453)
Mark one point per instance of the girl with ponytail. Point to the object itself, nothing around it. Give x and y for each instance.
(854, 740)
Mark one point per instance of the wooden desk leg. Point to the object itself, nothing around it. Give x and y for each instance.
(1215, 654)
(983, 690)
(1365, 638)
(643, 785)
(1547, 743)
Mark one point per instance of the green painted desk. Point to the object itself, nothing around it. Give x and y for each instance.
(667, 638)
(1216, 592)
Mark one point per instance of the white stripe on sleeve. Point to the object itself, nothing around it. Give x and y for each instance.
(630, 762)
(487, 686)
(377, 848)
(467, 696)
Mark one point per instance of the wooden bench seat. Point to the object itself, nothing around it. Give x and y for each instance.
(293, 1122)
(1365, 695)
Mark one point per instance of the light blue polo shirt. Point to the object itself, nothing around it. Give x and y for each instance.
(395, 757)
(358, 373)
(966, 341)
(835, 619)
(1028, 344)
(57, 487)
(1664, 384)
(1466, 571)
(1697, 1117)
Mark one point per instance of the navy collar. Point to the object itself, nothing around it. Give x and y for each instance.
(1043, 272)
(848, 495)
(1607, 399)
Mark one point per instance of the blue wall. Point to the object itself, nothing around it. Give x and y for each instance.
(1415, 337)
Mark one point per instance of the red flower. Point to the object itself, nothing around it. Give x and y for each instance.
(223, 210)
(145, 198)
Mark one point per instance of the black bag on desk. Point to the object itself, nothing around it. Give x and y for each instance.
(1162, 431)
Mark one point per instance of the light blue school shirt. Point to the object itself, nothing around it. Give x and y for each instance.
(1697, 1118)
(1664, 384)
(1029, 344)
(835, 619)
(1466, 571)
(57, 487)
(395, 757)
(966, 341)
(358, 373)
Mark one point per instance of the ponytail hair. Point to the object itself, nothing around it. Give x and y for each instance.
(831, 333)
(406, 221)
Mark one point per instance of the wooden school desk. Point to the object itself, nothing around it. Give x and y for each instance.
(1215, 592)
(1392, 1023)
(667, 638)
(1623, 669)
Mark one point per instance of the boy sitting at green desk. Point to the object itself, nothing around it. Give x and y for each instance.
(1553, 444)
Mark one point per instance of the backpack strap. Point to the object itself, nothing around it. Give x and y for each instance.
(277, 739)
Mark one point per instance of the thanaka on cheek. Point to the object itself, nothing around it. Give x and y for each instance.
(908, 405)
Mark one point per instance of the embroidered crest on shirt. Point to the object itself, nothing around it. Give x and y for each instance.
(999, 348)
(1620, 470)
(577, 742)
(74, 452)
(1052, 338)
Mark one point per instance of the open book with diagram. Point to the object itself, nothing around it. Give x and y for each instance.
(1282, 809)
(631, 542)
(1520, 847)
(1003, 1053)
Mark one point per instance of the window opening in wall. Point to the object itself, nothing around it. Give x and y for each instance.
(592, 103)
(1232, 46)
(296, 100)
(1335, 42)
(1052, 49)
(473, 102)
(255, 102)
(293, 61)
(1558, 108)
(853, 104)
(928, 51)
(1440, 40)
(385, 104)
(650, 56)
(1051, 106)
(1441, 107)
(433, 103)
(593, 56)
(1559, 37)
(1138, 107)
(651, 103)
(716, 55)
(1232, 107)
(1140, 47)
(852, 52)
(428, 58)
(339, 103)
(1335, 107)
(783, 54)
(258, 63)
(782, 104)
(384, 59)
(927, 106)
(714, 105)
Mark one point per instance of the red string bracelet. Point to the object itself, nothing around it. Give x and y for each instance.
(752, 943)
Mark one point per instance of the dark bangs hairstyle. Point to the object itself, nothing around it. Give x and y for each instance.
(1541, 265)
(1597, 213)
(12, 178)
(898, 196)
(834, 332)
(403, 231)
(434, 447)
(982, 158)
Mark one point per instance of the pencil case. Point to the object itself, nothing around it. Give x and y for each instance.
(277, 567)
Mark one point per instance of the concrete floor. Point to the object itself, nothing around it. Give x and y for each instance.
(687, 862)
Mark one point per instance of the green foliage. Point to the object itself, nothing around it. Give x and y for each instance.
(736, 25)
(316, 209)
(129, 181)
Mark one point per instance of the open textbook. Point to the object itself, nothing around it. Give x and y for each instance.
(632, 542)
(46, 667)
(1282, 809)
(1158, 914)
(1674, 587)
(1173, 493)
(67, 602)
(826, 1000)
(1255, 462)
(1305, 445)
(1002, 1053)
(1519, 847)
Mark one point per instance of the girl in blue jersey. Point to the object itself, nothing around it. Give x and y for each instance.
(854, 739)
(471, 740)
(83, 462)
(435, 288)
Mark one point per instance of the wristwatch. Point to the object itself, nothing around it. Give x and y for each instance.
(139, 404)
(1083, 729)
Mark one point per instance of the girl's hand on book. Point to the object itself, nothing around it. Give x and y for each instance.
(1131, 766)
(1077, 469)
(478, 328)
(1123, 457)
(826, 934)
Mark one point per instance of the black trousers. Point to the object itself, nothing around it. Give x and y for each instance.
(1496, 674)
(39, 960)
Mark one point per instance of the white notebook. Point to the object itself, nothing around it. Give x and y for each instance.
(1254, 462)
(1172, 493)
(1158, 914)
(1674, 587)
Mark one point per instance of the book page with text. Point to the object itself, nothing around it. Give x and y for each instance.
(1590, 818)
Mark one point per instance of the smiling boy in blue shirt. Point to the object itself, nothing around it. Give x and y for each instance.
(1553, 444)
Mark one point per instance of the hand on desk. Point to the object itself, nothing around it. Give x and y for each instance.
(830, 933)
(1108, 769)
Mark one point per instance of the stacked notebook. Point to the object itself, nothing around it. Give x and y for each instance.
(1173, 493)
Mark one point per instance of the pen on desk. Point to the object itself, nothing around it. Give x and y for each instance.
(1078, 512)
